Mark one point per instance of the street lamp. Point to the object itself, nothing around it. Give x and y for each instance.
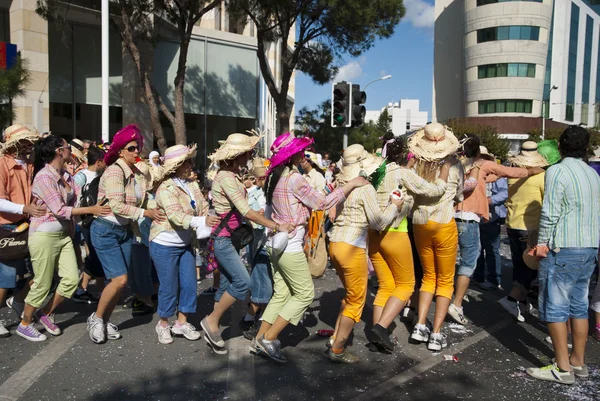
(544, 111)
(378, 79)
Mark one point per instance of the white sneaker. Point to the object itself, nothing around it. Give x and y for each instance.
(3, 330)
(551, 373)
(420, 333)
(96, 329)
(18, 307)
(437, 342)
(164, 334)
(512, 307)
(112, 332)
(457, 314)
(187, 330)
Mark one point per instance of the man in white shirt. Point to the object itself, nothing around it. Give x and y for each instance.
(311, 172)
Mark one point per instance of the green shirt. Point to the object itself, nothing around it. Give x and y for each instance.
(571, 210)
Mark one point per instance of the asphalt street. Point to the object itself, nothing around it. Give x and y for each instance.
(493, 351)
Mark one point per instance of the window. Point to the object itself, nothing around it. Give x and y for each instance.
(516, 32)
(485, 2)
(572, 65)
(505, 106)
(506, 70)
(408, 126)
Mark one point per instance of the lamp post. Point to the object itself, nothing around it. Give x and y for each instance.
(544, 112)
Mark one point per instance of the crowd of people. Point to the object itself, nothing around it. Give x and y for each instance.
(424, 216)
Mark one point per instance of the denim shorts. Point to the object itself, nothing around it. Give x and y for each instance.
(234, 275)
(113, 245)
(469, 245)
(564, 279)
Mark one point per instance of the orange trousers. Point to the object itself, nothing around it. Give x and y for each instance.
(437, 245)
(350, 262)
(391, 255)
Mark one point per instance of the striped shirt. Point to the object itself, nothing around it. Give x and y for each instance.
(118, 184)
(571, 209)
(49, 192)
(359, 213)
(440, 209)
(294, 198)
(178, 207)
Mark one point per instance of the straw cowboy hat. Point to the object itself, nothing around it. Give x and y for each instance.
(235, 145)
(77, 150)
(259, 167)
(285, 146)
(174, 157)
(433, 142)
(549, 150)
(15, 134)
(529, 156)
(356, 161)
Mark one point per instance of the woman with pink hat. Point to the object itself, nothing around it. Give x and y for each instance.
(290, 199)
(122, 187)
(231, 204)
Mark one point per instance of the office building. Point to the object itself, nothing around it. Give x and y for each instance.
(404, 116)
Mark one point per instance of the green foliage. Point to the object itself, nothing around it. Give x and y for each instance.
(12, 85)
(366, 135)
(554, 133)
(487, 134)
(383, 123)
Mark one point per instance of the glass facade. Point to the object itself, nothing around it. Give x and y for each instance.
(548, 72)
(484, 2)
(505, 106)
(515, 32)
(506, 70)
(587, 66)
(572, 68)
(4, 25)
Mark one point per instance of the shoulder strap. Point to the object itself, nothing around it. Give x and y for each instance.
(223, 224)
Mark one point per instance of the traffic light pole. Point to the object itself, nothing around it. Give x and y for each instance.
(345, 143)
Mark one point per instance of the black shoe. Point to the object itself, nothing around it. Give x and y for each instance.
(246, 324)
(382, 338)
(139, 308)
(85, 298)
(251, 332)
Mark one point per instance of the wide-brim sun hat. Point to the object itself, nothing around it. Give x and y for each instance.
(549, 151)
(174, 157)
(433, 142)
(16, 133)
(125, 135)
(236, 145)
(356, 161)
(77, 150)
(285, 146)
(529, 156)
(259, 167)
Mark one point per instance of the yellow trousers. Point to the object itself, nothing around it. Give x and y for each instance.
(351, 265)
(437, 245)
(391, 255)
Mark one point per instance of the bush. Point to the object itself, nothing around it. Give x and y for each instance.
(488, 135)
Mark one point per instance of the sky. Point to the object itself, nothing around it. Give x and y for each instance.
(407, 56)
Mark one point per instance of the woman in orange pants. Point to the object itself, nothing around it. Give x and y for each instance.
(390, 251)
(436, 235)
(348, 248)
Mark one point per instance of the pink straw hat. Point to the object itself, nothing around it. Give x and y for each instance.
(286, 146)
(121, 139)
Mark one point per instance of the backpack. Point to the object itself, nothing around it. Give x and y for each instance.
(89, 197)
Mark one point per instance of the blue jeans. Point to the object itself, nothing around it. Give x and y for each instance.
(523, 276)
(176, 268)
(234, 276)
(469, 246)
(490, 254)
(9, 269)
(564, 279)
(142, 274)
(113, 245)
(261, 287)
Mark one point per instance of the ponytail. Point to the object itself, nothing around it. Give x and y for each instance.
(44, 151)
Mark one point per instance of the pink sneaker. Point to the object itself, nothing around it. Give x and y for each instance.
(48, 322)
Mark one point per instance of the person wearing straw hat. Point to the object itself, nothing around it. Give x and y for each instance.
(470, 212)
(290, 199)
(436, 236)
(348, 244)
(390, 250)
(231, 204)
(170, 243)
(523, 209)
(16, 176)
(123, 187)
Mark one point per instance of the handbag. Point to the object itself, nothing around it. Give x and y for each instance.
(241, 236)
(316, 248)
(13, 245)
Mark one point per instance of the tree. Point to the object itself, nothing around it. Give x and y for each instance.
(324, 30)
(488, 135)
(12, 85)
(136, 22)
(383, 123)
(555, 133)
(367, 135)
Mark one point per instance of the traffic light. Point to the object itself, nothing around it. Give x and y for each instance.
(359, 98)
(341, 105)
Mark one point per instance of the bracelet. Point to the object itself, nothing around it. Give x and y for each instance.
(276, 227)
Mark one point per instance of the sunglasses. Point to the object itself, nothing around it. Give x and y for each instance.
(132, 148)
(64, 147)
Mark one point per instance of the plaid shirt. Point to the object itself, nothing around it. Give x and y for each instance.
(229, 192)
(441, 209)
(359, 212)
(48, 191)
(294, 198)
(118, 185)
(177, 205)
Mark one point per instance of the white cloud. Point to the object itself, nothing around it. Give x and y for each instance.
(350, 71)
(419, 13)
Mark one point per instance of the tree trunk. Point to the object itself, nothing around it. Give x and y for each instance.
(283, 115)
